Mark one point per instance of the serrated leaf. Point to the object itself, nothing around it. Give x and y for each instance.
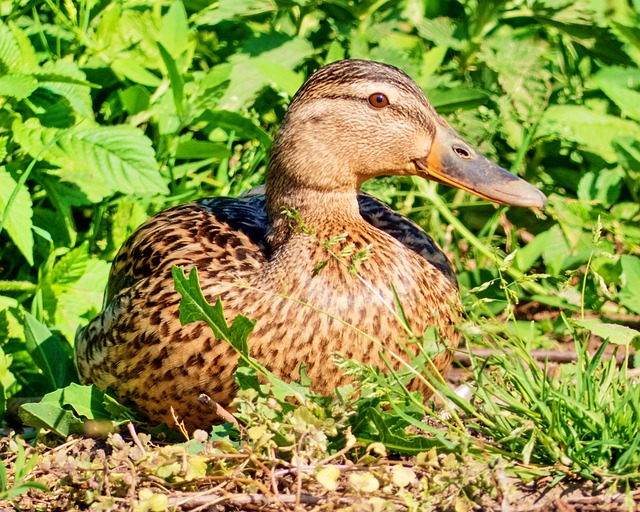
(9, 50)
(65, 79)
(16, 217)
(100, 161)
(73, 288)
(17, 85)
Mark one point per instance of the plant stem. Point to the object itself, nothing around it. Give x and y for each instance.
(429, 191)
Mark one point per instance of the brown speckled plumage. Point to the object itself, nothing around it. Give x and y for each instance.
(253, 256)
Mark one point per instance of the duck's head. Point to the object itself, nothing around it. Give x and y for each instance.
(354, 120)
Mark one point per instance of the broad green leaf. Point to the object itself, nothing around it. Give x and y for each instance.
(49, 414)
(592, 130)
(615, 333)
(130, 68)
(16, 217)
(628, 150)
(450, 100)
(630, 292)
(283, 77)
(48, 352)
(100, 161)
(173, 35)
(134, 99)
(197, 149)
(87, 401)
(17, 85)
(244, 128)
(246, 78)
(620, 89)
(232, 9)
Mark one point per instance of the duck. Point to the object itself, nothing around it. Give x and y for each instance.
(320, 266)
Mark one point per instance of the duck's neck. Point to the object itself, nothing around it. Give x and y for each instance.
(309, 197)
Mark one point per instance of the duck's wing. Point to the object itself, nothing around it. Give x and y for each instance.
(379, 215)
(219, 230)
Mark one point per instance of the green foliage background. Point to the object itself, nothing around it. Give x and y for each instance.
(112, 111)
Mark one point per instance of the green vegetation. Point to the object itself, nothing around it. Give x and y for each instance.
(112, 111)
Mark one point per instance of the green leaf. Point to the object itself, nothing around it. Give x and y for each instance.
(615, 333)
(450, 100)
(73, 289)
(618, 84)
(131, 69)
(630, 292)
(196, 149)
(65, 79)
(10, 58)
(87, 401)
(233, 9)
(49, 352)
(134, 99)
(49, 414)
(194, 307)
(177, 82)
(16, 214)
(592, 130)
(100, 161)
(281, 76)
(247, 79)
(173, 35)
(17, 85)
(244, 128)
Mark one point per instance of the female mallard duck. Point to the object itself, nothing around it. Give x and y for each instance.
(351, 121)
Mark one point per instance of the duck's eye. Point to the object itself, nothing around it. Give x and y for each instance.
(462, 152)
(378, 100)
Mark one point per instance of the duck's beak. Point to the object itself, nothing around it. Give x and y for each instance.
(454, 162)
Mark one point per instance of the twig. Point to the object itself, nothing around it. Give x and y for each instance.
(136, 439)
(218, 410)
(199, 500)
(552, 356)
